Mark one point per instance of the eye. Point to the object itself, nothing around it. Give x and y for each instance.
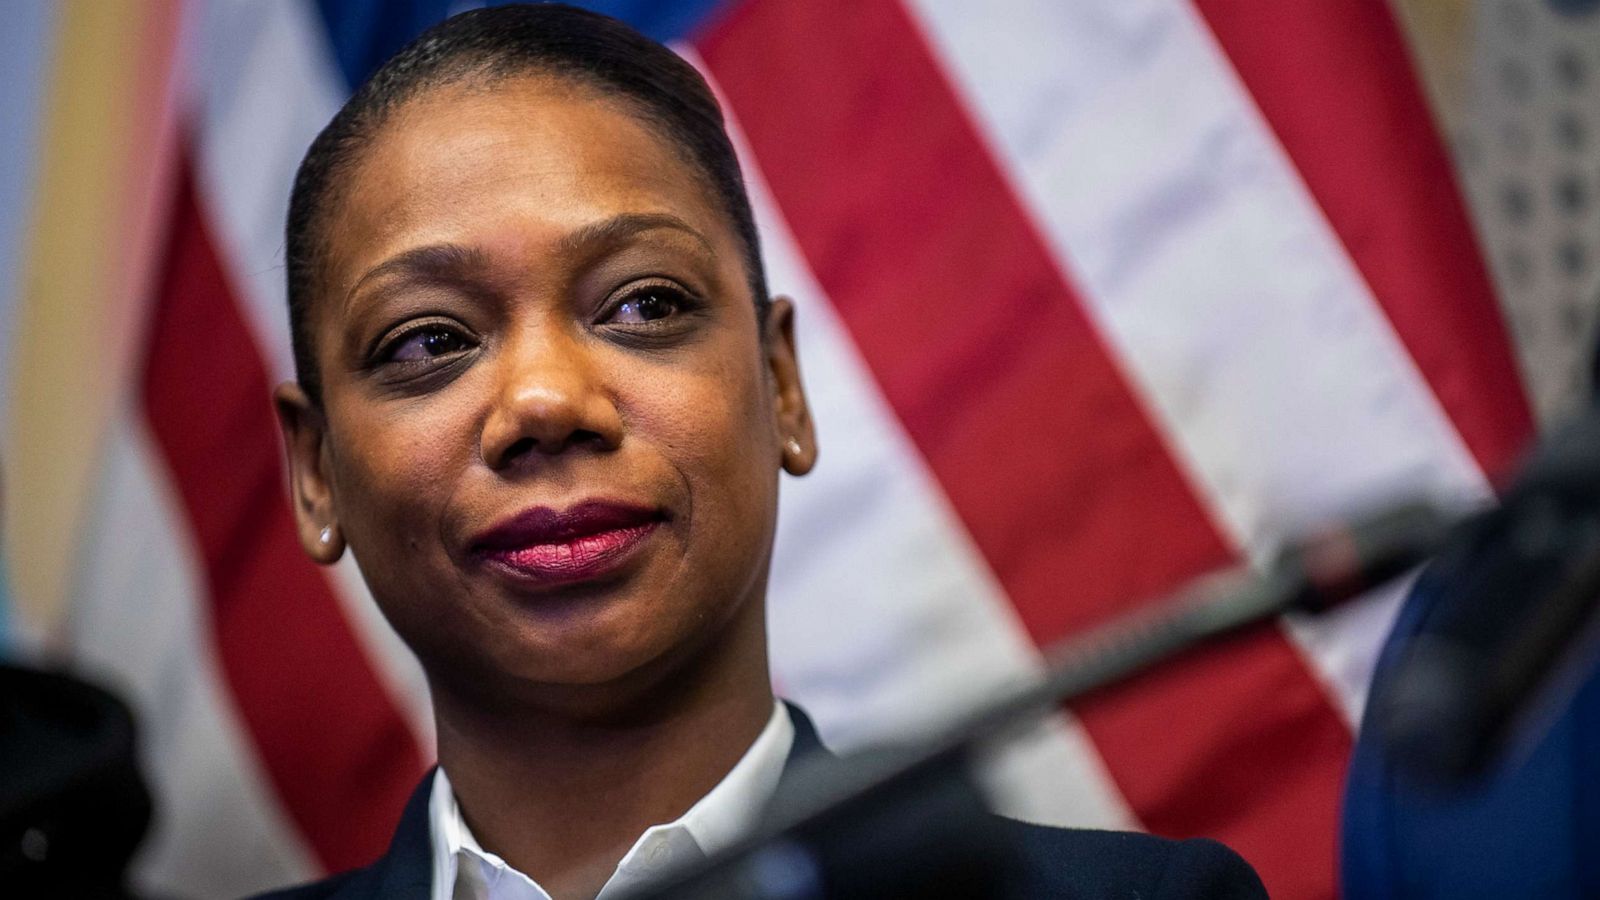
(646, 304)
(423, 343)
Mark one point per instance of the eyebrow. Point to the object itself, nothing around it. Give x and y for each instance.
(455, 262)
(619, 228)
(433, 262)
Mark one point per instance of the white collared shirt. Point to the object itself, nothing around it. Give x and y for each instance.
(463, 870)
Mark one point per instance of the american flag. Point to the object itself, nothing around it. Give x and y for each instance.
(1094, 297)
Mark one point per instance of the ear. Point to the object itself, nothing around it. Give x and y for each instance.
(310, 492)
(796, 437)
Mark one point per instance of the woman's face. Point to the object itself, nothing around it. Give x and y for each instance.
(551, 429)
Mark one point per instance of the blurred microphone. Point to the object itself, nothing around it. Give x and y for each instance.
(1512, 631)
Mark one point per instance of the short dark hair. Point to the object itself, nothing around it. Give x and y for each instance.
(501, 42)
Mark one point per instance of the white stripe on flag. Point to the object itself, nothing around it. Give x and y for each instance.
(885, 620)
(139, 617)
(1209, 269)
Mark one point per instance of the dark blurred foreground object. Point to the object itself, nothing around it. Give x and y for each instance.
(1527, 827)
(72, 804)
(1477, 769)
(1510, 625)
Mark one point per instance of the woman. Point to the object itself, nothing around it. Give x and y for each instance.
(543, 397)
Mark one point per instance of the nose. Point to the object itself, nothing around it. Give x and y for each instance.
(551, 397)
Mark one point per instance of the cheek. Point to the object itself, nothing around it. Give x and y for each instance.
(714, 425)
(393, 476)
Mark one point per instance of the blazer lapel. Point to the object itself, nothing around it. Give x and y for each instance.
(405, 871)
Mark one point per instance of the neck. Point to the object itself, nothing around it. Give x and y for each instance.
(563, 798)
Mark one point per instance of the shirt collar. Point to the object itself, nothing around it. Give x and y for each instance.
(463, 870)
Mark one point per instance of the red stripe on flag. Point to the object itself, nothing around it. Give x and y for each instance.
(1335, 83)
(333, 743)
(1043, 450)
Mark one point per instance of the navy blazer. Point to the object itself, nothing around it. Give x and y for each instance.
(1055, 862)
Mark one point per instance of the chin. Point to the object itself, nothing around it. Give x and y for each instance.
(582, 672)
(605, 690)
(593, 655)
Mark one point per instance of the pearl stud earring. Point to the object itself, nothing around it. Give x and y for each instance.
(326, 535)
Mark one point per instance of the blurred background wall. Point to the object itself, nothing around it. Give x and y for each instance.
(1515, 88)
(1094, 298)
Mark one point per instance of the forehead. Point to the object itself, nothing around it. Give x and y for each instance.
(508, 168)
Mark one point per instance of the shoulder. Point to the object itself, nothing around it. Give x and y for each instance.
(1057, 862)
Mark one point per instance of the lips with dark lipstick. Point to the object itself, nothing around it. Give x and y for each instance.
(546, 546)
